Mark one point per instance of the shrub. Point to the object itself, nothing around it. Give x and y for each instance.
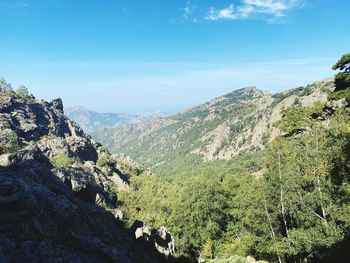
(297, 102)
(107, 170)
(104, 149)
(103, 160)
(113, 187)
(11, 146)
(62, 160)
(266, 137)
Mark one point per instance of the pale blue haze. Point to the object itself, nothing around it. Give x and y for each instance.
(132, 56)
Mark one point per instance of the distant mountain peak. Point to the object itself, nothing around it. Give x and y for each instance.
(92, 121)
(250, 88)
(69, 110)
(253, 91)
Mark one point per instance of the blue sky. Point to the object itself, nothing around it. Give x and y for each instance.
(132, 56)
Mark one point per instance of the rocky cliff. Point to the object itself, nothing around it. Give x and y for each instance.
(57, 191)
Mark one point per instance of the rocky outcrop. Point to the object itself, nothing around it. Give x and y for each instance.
(30, 121)
(72, 146)
(150, 237)
(47, 213)
(86, 187)
(66, 213)
(24, 157)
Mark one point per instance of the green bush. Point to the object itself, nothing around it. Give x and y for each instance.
(104, 149)
(296, 102)
(107, 170)
(11, 146)
(23, 94)
(266, 137)
(103, 163)
(103, 160)
(62, 160)
(113, 187)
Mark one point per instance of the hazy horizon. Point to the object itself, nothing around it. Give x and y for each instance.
(130, 56)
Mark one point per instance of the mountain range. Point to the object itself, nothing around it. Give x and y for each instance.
(91, 121)
(234, 178)
(231, 125)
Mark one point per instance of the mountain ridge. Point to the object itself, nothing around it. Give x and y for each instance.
(91, 121)
(58, 191)
(220, 129)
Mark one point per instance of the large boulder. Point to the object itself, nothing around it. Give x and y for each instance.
(159, 239)
(27, 156)
(84, 185)
(51, 215)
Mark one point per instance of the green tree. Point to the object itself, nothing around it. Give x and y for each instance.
(303, 178)
(22, 91)
(199, 211)
(294, 120)
(207, 252)
(342, 79)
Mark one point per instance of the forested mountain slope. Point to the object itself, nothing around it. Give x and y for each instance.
(239, 122)
(296, 209)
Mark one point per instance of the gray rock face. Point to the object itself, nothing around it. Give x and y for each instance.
(24, 157)
(31, 121)
(42, 218)
(47, 212)
(84, 185)
(79, 147)
(62, 214)
(57, 104)
(118, 214)
(160, 238)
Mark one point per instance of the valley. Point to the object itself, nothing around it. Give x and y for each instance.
(247, 177)
(187, 131)
(218, 131)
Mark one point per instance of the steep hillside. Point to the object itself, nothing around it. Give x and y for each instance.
(58, 189)
(239, 122)
(91, 121)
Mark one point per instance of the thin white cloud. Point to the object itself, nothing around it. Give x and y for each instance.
(226, 13)
(188, 12)
(13, 4)
(274, 8)
(245, 11)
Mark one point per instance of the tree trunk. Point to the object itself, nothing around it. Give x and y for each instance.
(319, 179)
(272, 232)
(281, 192)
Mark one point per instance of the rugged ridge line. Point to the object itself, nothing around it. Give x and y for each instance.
(56, 198)
(241, 121)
